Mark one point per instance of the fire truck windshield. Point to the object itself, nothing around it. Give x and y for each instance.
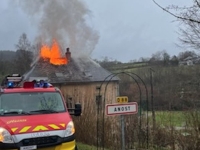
(31, 103)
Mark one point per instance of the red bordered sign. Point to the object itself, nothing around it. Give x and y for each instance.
(121, 109)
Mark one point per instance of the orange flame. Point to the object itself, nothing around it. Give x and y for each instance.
(53, 54)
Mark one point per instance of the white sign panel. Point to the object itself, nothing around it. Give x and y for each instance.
(121, 109)
(28, 147)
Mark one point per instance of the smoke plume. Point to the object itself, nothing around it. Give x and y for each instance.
(63, 20)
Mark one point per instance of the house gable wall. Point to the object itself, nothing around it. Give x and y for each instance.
(88, 92)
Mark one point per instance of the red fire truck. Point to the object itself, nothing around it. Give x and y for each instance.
(33, 115)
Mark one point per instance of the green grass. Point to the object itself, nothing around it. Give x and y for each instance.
(170, 118)
(126, 67)
(82, 146)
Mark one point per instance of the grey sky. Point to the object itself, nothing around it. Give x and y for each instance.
(127, 29)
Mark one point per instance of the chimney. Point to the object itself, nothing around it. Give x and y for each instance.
(68, 54)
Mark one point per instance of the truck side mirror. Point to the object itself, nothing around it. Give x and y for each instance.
(77, 109)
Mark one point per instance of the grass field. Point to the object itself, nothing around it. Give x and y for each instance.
(163, 118)
(170, 118)
(129, 67)
(82, 146)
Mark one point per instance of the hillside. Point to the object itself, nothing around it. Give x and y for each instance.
(175, 87)
(115, 67)
(7, 55)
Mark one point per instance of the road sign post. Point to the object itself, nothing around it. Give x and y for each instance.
(123, 132)
(122, 109)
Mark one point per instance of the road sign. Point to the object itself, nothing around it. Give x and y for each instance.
(122, 99)
(121, 109)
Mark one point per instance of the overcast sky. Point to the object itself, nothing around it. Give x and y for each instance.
(127, 29)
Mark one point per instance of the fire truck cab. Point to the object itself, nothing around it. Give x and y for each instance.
(34, 115)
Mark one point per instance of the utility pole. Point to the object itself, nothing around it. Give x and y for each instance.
(152, 101)
(123, 132)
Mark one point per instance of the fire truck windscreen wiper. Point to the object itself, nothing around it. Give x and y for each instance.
(45, 111)
(15, 112)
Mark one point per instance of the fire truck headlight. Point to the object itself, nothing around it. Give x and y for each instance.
(5, 136)
(70, 130)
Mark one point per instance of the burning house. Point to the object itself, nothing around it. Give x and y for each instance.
(78, 78)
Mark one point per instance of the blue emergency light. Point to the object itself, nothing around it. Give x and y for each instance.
(36, 84)
(45, 85)
(11, 81)
(10, 84)
(14, 80)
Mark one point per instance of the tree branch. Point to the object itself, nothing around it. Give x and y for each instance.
(176, 16)
(198, 4)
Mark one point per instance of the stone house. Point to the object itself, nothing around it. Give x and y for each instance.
(78, 80)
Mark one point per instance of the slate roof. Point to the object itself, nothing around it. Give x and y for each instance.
(77, 70)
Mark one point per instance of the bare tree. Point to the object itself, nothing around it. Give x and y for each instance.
(174, 60)
(24, 55)
(166, 58)
(23, 43)
(160, 58)
(189, 19)
(183, 55)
